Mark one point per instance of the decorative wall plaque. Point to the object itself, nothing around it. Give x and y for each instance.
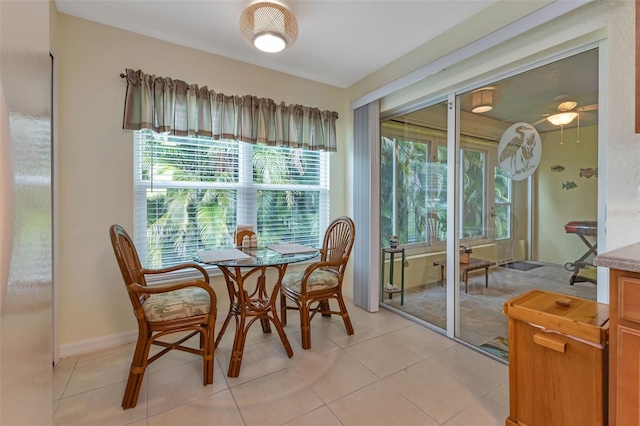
(519, 151)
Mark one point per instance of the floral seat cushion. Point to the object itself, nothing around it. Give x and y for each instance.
(318, 280)
(183, 303)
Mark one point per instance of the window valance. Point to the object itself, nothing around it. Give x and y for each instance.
(171, 106)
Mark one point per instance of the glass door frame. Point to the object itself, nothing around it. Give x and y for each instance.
(453, 220)
(454, 183)
(453, 292)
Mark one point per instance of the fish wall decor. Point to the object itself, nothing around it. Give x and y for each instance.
(569, 185)
(557, 169)
(587, 173)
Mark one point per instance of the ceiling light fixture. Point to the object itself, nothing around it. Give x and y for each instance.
(562, 119)
(482, 100)
(567, 106)
(268, 26)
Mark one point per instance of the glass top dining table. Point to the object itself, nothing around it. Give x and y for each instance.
(258, 303)
(263, 256)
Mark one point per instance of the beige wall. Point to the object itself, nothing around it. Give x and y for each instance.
(95, 167)
(499, 14)
(555, 205)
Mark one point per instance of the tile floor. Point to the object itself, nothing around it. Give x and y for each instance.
(390, 372)
(481, 317)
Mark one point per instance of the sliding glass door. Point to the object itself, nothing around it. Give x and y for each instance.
(413, 203)
(525, 170)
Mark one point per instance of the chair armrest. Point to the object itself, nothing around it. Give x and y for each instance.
(177, 268)
(307, 272)
(318, 265)
(167, 288)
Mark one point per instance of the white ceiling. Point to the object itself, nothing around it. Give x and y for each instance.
(339, 42)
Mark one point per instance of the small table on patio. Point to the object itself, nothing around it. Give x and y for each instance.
(465, 268)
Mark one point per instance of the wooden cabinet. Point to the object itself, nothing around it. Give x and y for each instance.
(557, 360)
(624, 372)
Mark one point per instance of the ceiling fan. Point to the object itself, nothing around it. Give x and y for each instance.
(566, 111)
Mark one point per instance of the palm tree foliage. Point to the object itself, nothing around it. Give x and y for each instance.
(192, 200)
(421, 187)
(502, 211)
(473, 190)
(410, 180)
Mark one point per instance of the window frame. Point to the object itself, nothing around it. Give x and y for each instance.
(508, 204)
(246, 210)
(484, 236)
(432, 139)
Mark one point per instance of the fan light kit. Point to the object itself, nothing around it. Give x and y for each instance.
(567, 106)
(268, 26)
(562, 118)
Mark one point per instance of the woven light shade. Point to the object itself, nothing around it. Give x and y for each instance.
(482, 100)
(268, 26)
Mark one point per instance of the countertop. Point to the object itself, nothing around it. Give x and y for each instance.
(625, 258)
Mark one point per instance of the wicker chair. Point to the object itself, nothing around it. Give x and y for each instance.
(187, 306)
(321, 281)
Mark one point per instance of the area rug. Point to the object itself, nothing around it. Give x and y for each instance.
(521, 266)
(499, 346)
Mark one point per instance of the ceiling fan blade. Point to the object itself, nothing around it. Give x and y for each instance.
(512, 120)
(591, 107)
(586, 116)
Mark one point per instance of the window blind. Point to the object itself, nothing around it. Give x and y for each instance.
(190, 193)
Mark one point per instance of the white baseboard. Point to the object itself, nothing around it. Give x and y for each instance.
(98, 343)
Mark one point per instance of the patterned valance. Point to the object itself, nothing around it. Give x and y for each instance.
(171, 106)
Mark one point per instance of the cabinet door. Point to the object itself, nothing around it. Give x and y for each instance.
(568, 381)
(628, 371)
(629, 299)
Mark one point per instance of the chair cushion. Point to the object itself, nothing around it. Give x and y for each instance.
(183, 303)
(318, 280)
